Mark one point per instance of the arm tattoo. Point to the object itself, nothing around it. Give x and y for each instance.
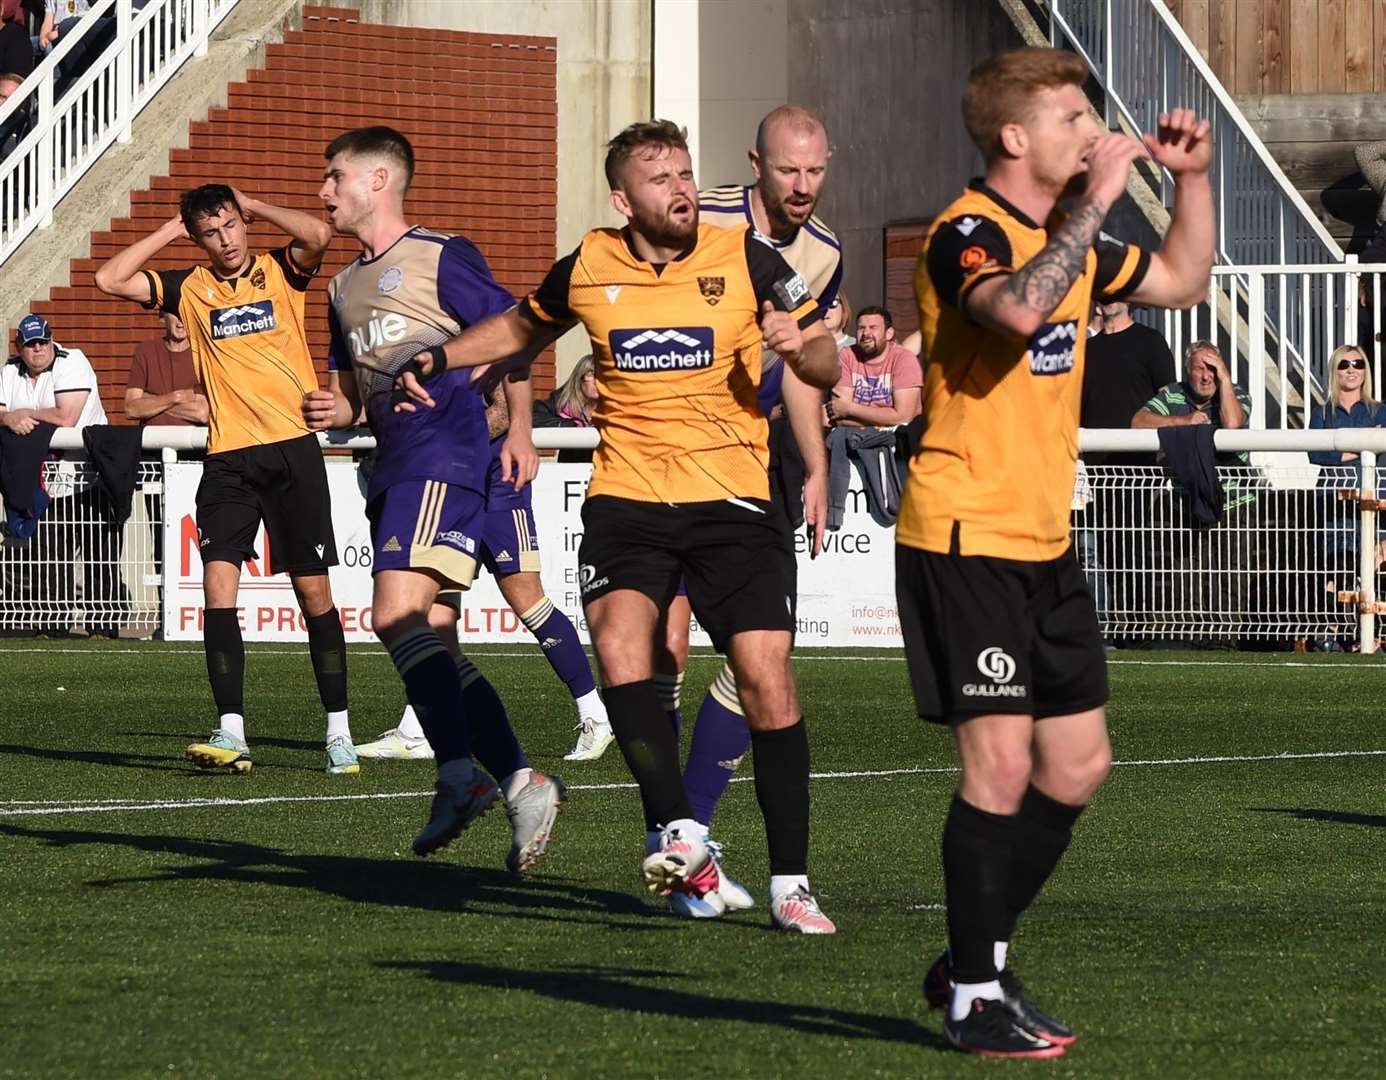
(1045, 280)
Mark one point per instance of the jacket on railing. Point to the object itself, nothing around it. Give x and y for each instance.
(115, 454)
(21, 478)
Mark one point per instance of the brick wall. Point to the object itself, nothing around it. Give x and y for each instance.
(480, 110)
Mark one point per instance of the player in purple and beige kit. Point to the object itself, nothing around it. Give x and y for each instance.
(426, 497)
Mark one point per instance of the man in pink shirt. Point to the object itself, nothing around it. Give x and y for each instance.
(879, 390)
(880, 383)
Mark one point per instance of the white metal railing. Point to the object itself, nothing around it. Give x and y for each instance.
(1295, 557)
(69, 119)
(1277, 325)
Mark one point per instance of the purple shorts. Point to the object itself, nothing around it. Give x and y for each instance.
(428, 525)
(509, 543)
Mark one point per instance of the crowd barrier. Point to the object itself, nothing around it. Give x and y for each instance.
(1295, 558)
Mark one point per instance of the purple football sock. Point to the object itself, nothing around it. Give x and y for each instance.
(559, 640)
(721, 738)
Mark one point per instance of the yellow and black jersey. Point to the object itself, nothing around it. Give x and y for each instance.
(676, 348)
(249, 347)
(995, 467)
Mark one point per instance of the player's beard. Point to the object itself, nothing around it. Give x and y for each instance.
(663, 231)
(779, 213)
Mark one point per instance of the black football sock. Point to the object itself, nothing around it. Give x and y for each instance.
(977, 850)
(1043, 829)
(647, 742)
(327, 645)
(781, 760)
(432, 687)
(225, 651)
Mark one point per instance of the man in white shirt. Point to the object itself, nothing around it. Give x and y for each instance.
(48, 383)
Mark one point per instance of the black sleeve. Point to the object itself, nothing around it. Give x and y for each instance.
(548, 304)
(296, 278)
(1159, 360)
(775, 280)
(963, 253)
(166, 289)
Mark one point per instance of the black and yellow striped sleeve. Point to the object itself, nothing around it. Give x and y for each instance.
(165, 289)
(1121, 267)
(965, 252)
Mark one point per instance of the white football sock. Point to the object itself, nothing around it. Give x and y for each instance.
(515, 782)
(999, 954)
(784, 884)
(409, 726)
(233, 723)
(964, 993)
(337, 725)
(591, 707)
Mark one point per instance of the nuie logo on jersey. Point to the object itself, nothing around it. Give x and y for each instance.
(1053, 348)
(712, 289)
(680, 348)
(379, 330)
(234, 322)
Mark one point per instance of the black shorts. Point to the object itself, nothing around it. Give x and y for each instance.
(986, 635)
(283, 484)
(736, 557)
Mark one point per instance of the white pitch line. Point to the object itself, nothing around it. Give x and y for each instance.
(34, 807)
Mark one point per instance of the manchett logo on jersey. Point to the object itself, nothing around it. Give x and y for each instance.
(679, 348)
(242, 321)
(999, 666)
(1053, 348)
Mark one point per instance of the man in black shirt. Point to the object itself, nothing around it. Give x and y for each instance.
(1127, 365)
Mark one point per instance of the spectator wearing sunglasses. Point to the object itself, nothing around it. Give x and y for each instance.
(1350, 404)
(837, 316)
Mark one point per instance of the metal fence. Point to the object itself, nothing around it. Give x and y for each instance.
(1296, 558)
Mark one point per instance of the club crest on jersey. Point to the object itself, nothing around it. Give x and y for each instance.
(243, 321)
(712, 289)
(1053, 348)
(258, 278)
(679, 348)
(391, 278)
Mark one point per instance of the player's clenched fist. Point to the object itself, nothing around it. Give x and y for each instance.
(319, 409)
(781, 331)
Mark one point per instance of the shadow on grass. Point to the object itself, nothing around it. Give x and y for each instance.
(637, 990)
(254, 740)
(403, 883)
(152, 762)
(1337, 817)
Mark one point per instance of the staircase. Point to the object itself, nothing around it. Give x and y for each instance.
(1312, 137)
(480, 110)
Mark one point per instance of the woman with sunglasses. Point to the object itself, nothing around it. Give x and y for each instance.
(1350, 404)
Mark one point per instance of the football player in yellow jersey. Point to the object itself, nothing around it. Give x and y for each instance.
(244, 315)
(1001, 635)
(676, 312)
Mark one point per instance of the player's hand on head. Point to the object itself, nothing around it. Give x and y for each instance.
(1109, 165)
(780, 331)
(1182, 142)
(177, 227)
(243, 205)
(319, 409)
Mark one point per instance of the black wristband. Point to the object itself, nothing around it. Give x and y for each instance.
(439, 355)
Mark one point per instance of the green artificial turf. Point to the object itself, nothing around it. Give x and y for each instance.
(1213, 918)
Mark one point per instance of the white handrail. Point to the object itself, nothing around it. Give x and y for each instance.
(71, 133)
(168, 437)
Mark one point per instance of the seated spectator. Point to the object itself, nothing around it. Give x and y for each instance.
(1350, 405)
(16, 125)
(162, 388)
(879, 390)
(913, 341)
(570, 405)
(880, 382)
(17, 45)
(1210, 573)
(47, 383)
(1206, 395)
(837, 316)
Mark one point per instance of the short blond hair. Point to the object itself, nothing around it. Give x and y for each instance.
(1001, 90)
